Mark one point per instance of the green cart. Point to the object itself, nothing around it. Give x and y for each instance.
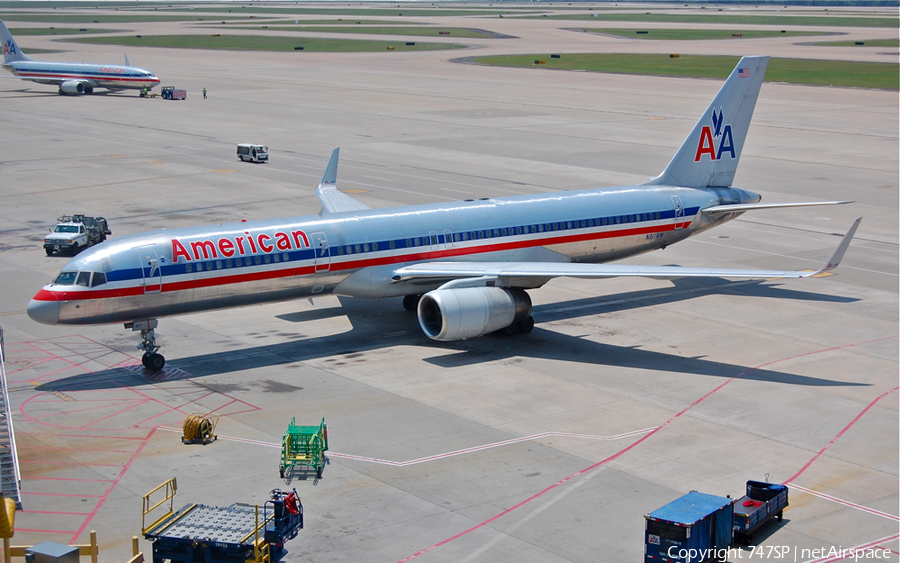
(304, 446)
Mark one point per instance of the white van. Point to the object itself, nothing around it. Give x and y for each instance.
(249, 152)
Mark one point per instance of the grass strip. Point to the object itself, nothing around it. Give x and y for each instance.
(738, 19)
(698, 34)
(263, 43)
(884, 76)
(395, 30)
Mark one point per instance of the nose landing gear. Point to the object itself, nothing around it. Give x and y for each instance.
(151, 359)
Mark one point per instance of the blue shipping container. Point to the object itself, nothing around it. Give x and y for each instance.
(688, 528)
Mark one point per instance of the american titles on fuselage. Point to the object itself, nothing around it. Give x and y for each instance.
(229, 247)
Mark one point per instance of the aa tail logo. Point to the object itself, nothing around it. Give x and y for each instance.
(718, 131)
(9, 48)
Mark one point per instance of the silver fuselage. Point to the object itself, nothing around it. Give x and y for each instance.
(177, 271)
(113, 77)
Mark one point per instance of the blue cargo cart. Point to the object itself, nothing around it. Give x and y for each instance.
(692, 524)
(762, 502)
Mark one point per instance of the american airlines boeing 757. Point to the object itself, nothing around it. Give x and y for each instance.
(72, 78)
(464, 267)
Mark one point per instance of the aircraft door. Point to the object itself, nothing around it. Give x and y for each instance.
(433, 240)
(323, 253)
(150, 269)
(679, 212)
(448, 238)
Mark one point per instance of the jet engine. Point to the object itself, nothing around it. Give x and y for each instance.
(457, 314)
(72, 87)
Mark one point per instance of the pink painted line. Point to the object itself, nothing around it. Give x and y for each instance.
(83, 436)
(841, 433)
(68, 479)
(107, 417)
(864, 547)
(888, 549)
(846, 503)
(85, 464)
(633, 445)
(72, 449)
(58, 494)
(63, 413)
(53, 512)
(109, 491)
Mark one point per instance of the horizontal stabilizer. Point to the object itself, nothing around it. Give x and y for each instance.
(741, 207)
(506, 273)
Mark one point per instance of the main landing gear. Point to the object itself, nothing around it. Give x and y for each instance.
(152, 360)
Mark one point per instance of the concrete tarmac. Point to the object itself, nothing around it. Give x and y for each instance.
(548, 447)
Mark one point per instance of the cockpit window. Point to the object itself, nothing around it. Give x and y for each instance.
(84, 278)
(65, 278)
(66, 229)
(98, 279)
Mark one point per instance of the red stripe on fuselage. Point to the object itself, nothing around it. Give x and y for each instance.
(45, 295)
(103, 77)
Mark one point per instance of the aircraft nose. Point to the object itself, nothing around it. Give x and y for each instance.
(45, 312)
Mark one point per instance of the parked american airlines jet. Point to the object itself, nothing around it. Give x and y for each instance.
(464, 267)
(72, 78)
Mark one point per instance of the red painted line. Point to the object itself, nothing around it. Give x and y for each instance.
(630, 447)
(841, 433)
(83, 436)
(43, 531)
(72, 449)
(887, 549)
(845, 555)
(845, 502)
(105, 496)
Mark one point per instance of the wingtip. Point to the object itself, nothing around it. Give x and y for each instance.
(838, 255)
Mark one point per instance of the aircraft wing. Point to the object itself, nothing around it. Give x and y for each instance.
(534, 274)
(335, 201)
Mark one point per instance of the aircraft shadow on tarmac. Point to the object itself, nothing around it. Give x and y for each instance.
(369, 319)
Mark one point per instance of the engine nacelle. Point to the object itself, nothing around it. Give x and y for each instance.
(72, 87)
(457, 314)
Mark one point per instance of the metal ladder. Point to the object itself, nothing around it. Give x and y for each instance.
(9, 460)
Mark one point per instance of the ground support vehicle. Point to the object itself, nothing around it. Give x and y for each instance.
(762, 502)
(304, 446)
(75, 232)
(240, 533)
(172, 93)
(248, 152)
(688, 529)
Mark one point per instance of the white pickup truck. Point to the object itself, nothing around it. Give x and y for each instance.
(74, 232)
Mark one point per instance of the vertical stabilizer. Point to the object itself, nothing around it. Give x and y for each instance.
(11, 51)
(709, 156)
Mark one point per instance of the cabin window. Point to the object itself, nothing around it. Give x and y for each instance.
(276, 257)
(408, 243)
(496, 233)
(98, 279)
(218, 264)
(366, 247)
(188, 267)
(66, 278)
(199, 266)
(257, 260)
(84, 278)
(502, 232)
(374, 246)
(340, 250)
(569, 225)
(434, 240)
(392, 245)
(285, 256)
(228, 263)
(518, 230)
(357, 249)
(267, 259)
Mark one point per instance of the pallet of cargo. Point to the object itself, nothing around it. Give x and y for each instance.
(304, 446)
(239, 533)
